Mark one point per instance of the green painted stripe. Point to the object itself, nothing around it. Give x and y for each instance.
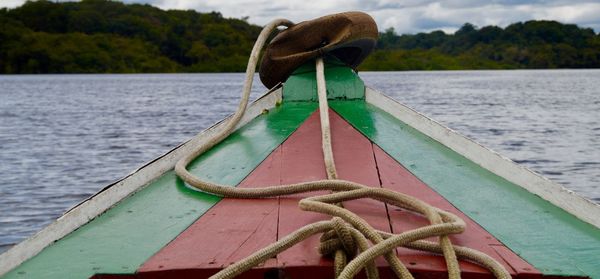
(552, 240)
(342, 83)
(125, 236)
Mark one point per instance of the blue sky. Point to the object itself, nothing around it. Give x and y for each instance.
(409, 16)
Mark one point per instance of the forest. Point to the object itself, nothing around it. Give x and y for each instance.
(521, 45)
(103, 36)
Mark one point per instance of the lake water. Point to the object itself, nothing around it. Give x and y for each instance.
(64, 137)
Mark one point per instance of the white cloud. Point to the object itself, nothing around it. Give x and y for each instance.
(408, 16)
(11, 3)
(587, 12)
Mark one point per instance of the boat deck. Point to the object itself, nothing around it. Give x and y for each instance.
(235, 228)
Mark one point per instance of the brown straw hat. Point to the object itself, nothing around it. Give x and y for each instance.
(349, 36)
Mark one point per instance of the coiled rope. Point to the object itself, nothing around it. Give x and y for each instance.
(346, 236)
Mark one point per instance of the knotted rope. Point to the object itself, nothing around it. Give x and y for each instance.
(346, 236)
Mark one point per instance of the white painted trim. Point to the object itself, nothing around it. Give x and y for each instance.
(489, 159)
(111, 195)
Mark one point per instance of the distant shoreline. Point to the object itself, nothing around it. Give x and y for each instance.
(113, 37)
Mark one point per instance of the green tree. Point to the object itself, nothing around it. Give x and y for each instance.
(109, 36)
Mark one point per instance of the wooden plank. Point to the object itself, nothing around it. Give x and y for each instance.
(228, 232)
(125, 236)
(355, 161)
(395, 177)
(546, 236)
(353, 155)
(303, 161)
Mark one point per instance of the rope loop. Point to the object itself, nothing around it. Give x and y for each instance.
(344, 235)
(349, 239)
(340, 238)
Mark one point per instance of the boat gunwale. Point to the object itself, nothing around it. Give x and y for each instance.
(489, 159)
(103, 200)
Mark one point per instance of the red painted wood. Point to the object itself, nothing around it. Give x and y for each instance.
(303, 161)
(233, 229)
(228, 232)
(523, 269)
(353, 155)
(395, 177)
(355, 161)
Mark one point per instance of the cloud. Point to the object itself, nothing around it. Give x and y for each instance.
(408, 16)
(11, 3)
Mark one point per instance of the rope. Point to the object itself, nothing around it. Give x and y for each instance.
(346, 236)
(324, 116)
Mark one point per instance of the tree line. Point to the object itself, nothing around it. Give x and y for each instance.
(103, 36)
(523, 45)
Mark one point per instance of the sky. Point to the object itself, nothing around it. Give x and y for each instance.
(406, 17)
